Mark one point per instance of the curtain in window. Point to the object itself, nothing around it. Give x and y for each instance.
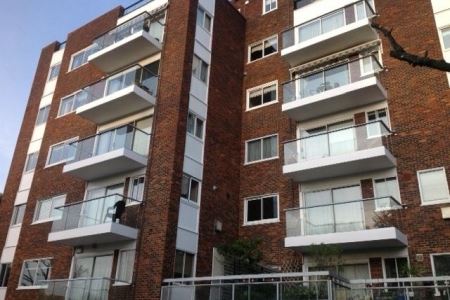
(309, 31)
(349, 216)
(254, 150)
(333, 21)
(318, 220)
(316, 143)
(270, 147)
(341, 141)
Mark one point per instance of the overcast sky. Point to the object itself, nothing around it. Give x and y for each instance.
(26, 26)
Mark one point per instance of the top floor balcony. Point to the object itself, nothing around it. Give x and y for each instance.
(129, 42)
(335, 31)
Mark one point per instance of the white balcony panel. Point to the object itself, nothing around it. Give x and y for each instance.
(198, 107)
(26, 181)
(125, 52)
(192, 167)
(318, 8)
(342, 38)
(188, 216)
(187, 240)
(12, 237)
(122, 103)
(194, 148)
(199, 90)
(2, 293)
(353, 95)
(371, 238)
(361, 161)
(21, 197)
(203, 37)
(107, 164)
(8, 255)
(208, 5)
(38, 132)
(96, 234)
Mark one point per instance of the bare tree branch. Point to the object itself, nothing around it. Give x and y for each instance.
(398, 52)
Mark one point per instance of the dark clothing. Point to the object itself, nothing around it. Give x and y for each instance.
(120, 209)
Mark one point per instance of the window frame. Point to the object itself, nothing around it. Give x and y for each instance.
(119, 259)
(190, 179)
(388, 123)
(85, 50)
(201, 68)
(130, 189)
(5, 272)
(384, 179)
(50, 76)
(46, 110)
(441, 35)
(433, 202)
(262, 221)
(50, 218)
(27, 161)
(194, 134)
(16, 208)
(194, 261)
(432, 255)
(271, 9)
(47, 161)
(32, 287)
(205, 14)
(262, 43)
(262, 87)
(277, 156)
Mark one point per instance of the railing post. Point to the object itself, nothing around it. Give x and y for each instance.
(278, 291)
(232, 291)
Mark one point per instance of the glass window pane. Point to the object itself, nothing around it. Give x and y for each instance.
(56, 154)
(179, 264)
(31, 161)
(433, 185)
(255, 98)
(29, 269)
(254, 151)
(270, 210)
(45, 208)
(42, 115)
(270, 46)
(207, 23)
(77, 60)
(191, 123)
(199, 128)
(309, 31)
(185, 187)
(360, 11)
(56, 207)
(254, 210)
(442, 265)
(200, 16)
(446, 38)
(194, 190)
(311, 85)
(204, 72)
(336, 77)
(256, 52)
(320, 219)
(196, 67)
(126, 265)
(333, 21)
(66, 106)
(188, 265)
(270, 147)
(270, 94)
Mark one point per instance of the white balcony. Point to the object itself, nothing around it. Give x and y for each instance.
(92, 222)
(132, 41)
(353, 224)
(341, 87)
(333, 32)
(347, 151)
(120, 95)
(108, 153)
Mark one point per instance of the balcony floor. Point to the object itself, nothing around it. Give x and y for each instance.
(368, 239)
(96, 234)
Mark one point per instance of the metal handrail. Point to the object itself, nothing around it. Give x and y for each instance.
(331, 12)
(347, 202)
(340, 129)
(335, 65)
(98, 198)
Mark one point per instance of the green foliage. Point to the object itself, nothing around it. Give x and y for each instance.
(327, 257)
(244, 250)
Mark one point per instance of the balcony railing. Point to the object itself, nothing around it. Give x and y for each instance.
(143, 22)
(337, 19)
(329, 78)
(337, 142)
(97, 211)
(136, 75)
(136, 6)
(343, 216)
(125, 137)
(83, 288)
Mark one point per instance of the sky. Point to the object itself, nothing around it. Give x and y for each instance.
(26, 26)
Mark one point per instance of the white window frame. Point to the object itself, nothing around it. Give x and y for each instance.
(190, 178)
(75, 54)
(262, 145)
(262, 221)
(25, 171)
(195, 127)
(377, 196)
(440, 201)
(441, 36)
(262, 42)
(14, 215)
(34, 287)
(60, 104)
(271, 9)
(205, 13)
(433, 267)
(6, 267)
(388, 124)
(194, 262)
(43, 108)
(49, 79)
(50, 218)
(120, 283)
(47, 162)
(202, 62)
(262, 87)
(130, 188)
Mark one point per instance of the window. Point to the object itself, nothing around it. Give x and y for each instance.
(264, 48)
(80, 58)
(125, 266)
(31, 162)
(441, 264)
(5, 269)
(184, 264)
(386, 187)
(61, 152)
(396, 268)
(261, 149)
(71, 103)
(54, 72)
(42, 115)
(376, 129)
(18, 214)
(190, 188)
(200, 69)
(261, 210)
(269, 5)
(136, 189)
(34, 272)
(262, 95)
(195, 125)
(433, 186)
(204, 20)
(446, 38)
(46, 209)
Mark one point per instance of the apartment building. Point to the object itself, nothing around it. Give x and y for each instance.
(158, 132)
